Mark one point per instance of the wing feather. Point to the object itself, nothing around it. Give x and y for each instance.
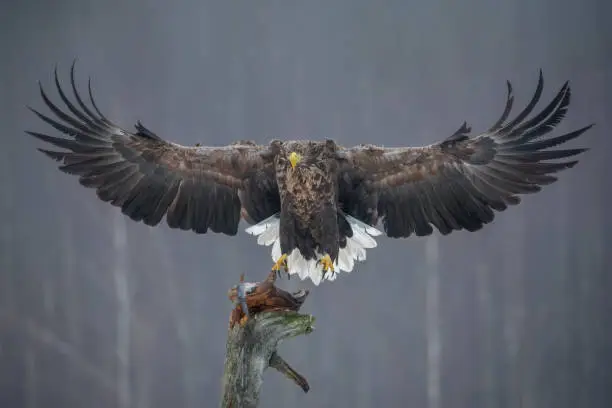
(196, 188)
(460, 182)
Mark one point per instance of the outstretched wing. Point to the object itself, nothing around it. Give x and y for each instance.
(148, 177)
(458, 183)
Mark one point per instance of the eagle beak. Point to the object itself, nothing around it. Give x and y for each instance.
(294, 159)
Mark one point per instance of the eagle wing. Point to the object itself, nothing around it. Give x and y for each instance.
(148, 177)
(459, 182)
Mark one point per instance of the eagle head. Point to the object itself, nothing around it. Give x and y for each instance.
(305, 156)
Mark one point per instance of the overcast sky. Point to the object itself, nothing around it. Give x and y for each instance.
(99, 311)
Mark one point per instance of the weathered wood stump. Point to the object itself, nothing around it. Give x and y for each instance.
(264, 316)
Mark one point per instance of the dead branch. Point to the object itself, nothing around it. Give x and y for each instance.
(264, 316)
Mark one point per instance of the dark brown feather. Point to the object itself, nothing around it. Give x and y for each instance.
(148, 177)
(456, 184)
(459, 182)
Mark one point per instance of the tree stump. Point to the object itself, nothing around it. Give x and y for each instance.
(264, 316)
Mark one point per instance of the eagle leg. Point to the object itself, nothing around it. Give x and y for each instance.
(327, 264)
(280, 264)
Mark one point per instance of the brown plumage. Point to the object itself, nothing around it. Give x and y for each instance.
(330, 200)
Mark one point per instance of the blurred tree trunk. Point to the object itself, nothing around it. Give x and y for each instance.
(31, 383)
(68, 288)
(514, 314)
(120, 271)
(432, 299)
(486, 327)
(565, 302)
(189, 349)
(592, 319)
(6, 232)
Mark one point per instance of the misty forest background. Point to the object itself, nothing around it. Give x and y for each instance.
(99, 311)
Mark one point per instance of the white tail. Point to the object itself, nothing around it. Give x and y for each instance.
(267, 232)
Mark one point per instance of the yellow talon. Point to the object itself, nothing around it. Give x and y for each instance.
(281, 263)
(327, 264)
(243, 320)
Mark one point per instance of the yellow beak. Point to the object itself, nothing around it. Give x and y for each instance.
(294, 159)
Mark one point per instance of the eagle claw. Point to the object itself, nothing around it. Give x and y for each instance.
(327, 264)
(280, 264)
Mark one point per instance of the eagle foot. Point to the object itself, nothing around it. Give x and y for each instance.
(243, 320)
(281, 264)
(327, 264)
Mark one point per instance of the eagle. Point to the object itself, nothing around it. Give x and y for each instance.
(319, 205)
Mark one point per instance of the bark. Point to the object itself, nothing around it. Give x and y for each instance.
(264, 316)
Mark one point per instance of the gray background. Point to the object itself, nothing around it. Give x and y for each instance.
(98, 311)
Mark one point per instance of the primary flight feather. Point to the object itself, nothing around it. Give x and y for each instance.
(316, 203)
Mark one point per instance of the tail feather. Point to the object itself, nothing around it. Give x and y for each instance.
(262, 226)
(267, 232)
(355, 223)
(269, 236)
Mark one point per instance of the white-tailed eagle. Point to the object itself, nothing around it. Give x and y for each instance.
(315, 202)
